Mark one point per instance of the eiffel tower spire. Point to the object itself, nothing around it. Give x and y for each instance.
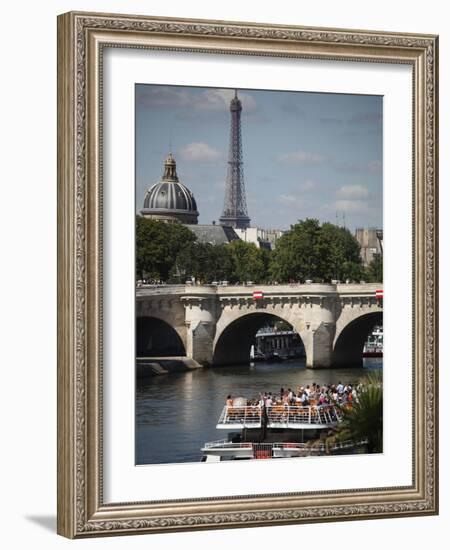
(235, 206)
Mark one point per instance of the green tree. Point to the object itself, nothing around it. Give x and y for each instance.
(317, 252)
(266, 255)
(221, 263)
(339, 253)
(364, 420)
(204, 261)
(249, 262)
(374, 271)
(157, 246)
(296, 256)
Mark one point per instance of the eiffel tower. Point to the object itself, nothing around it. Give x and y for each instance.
(235, 206)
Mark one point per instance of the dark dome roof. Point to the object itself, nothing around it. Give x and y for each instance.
(169, 196)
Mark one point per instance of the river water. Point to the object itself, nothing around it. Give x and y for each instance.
(177, 413)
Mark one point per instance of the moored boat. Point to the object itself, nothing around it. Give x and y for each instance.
(374, 344)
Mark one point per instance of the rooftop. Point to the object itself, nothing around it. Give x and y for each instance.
(213, 234)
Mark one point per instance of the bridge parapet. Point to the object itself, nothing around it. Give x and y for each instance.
(277, 289)
(144, 291)
(226, 290)
(358, 289)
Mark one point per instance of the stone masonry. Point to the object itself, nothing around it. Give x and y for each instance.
(217, 324)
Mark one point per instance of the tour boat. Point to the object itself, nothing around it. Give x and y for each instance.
(277, 431)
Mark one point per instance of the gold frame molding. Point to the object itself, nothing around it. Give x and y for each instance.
(81, 38)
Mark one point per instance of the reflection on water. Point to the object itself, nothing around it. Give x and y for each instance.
(177, 413)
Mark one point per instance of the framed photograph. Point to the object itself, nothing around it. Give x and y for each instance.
(247, 285)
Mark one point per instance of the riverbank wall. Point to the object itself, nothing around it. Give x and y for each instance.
(147, 367)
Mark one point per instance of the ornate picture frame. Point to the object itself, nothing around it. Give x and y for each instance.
(82, 38)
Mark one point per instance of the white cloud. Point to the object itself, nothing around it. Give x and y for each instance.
(200, 152)
(350, 206)
(216, 99)
(211, 99)
(301, 157)
(371, 167)
(286, 198)
(353, 192)
(290, 200)
(308, 185)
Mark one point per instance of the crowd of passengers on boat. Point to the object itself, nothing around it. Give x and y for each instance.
(304, 396)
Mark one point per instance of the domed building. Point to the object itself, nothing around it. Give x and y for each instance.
(169, 200)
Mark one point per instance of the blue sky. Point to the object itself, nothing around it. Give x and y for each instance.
(305, 154)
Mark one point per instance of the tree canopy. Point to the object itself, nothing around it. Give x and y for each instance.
(364, 420)
(157, 246)
(308, 251)
(249, 263)
(204, 261)
(235, 262)
(317, 252)
(374, 271)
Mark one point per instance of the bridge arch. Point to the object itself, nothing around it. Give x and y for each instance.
(232, 344)
(157, 338)
(349, 341)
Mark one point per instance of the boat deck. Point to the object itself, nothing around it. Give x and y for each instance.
(216, 451)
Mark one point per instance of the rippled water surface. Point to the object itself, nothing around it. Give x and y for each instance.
(177, 413)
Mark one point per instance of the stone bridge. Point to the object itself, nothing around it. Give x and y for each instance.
(216, 325)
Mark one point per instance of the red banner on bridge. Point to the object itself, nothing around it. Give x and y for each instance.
(379, 294)
(258, 295)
